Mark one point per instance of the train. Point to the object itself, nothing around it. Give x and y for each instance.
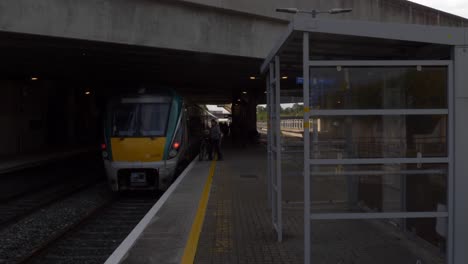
(149, 137)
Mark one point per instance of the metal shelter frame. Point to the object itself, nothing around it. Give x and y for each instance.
(457, 108)
(274, 146)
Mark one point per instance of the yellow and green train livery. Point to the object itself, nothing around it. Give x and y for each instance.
(149, 138)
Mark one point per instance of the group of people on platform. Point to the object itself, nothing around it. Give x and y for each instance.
(211, 141)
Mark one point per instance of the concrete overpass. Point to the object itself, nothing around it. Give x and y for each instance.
(236, 28)
(207, 49)
(183, 43)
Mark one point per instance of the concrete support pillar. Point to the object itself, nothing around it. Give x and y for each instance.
(244, 119)
(71, 115)
(236, 126)
(251, 114)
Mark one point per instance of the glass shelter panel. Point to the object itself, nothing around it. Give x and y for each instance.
(415, 87)
(376, 241)
(384, 136)
(379, 149)
(379, 188)
(292, 145)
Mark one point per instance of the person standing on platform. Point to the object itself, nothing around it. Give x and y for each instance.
(215, 137)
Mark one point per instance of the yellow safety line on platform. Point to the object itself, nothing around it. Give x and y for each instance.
(192, 242)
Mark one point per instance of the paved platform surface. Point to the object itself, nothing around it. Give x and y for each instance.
(237, 225)
(238, 229)
(164, 239)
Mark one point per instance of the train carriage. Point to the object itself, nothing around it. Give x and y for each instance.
(149, 138)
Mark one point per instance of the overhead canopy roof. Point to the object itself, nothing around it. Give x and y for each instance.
(110, 69)
(358, 40)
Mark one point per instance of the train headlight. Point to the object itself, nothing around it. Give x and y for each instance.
(173, 153)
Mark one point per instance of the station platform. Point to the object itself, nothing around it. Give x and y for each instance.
(24, 161)
(216, 212)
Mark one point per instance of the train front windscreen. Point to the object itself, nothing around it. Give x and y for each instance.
(140, 120)
(139, 129)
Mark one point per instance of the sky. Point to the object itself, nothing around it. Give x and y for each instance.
(216, 108)
(457, 7)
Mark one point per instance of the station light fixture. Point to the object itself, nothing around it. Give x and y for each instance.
(314, 12)
(252, 77)
(87, 92)
(34, 78)
(244, 92)
(284, 77)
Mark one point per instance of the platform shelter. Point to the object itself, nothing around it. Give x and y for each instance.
(384, 133)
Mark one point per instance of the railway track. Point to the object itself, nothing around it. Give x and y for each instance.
(73, 217)
(14, 209)
(95, 238)
(27, 191)
(23, 237)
